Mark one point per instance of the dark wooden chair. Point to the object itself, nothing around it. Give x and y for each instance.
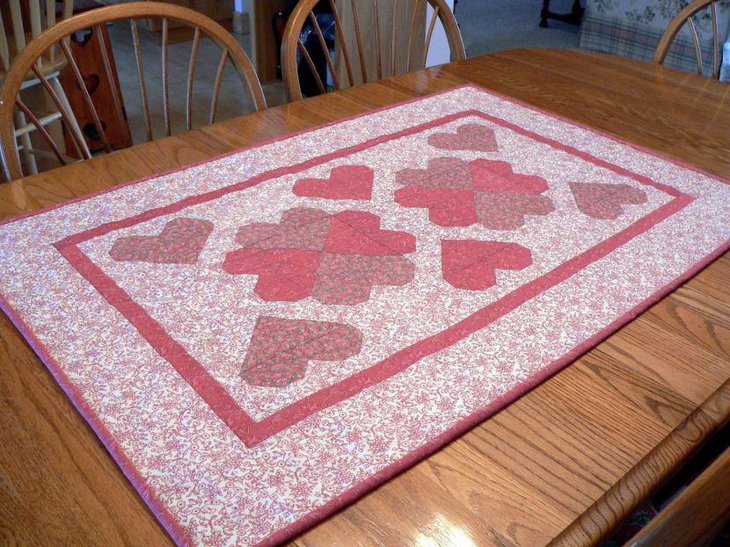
(390, 38)
(28, 60)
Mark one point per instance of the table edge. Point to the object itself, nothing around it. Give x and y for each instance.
(650, 472)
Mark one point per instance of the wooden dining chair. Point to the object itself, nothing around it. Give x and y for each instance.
(59, 36)
(39, 15)
(390, 37)
(684, 17)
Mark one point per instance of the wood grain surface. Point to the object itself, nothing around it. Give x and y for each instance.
(565, 463)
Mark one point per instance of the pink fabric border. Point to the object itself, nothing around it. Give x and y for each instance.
(139, 483)
(253, 432)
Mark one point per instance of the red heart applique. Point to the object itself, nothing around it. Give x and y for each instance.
(460, 193)
(604, 201)
(336, 259)
(497, 176)
(507, 210)
(280, 349)
(300, 228)
(468, 137)
(345, 182)
(180, 242)
(447, 207)
(470, 264)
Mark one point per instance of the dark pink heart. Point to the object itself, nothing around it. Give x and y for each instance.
(336, 259)
(507, 210)
(497, 176)
(470, 264)
(345, 182)
(467, 137)
(280, 349)
(180, 242)
(300, 228)
(440, 173)
(605, 201)
(359, 233)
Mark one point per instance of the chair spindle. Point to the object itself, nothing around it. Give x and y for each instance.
(191, 79)
(85, 94)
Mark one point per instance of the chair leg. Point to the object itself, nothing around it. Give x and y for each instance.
(58, 88)
(27, 150)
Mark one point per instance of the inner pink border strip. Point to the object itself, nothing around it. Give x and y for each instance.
(181, 536)
(253, 432)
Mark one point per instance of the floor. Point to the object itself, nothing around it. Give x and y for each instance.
(235, 99)
(493, 25)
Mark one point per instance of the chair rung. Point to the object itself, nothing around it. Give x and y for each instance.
(45, 120)
(27, 84)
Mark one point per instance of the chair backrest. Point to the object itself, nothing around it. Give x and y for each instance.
(39, 14)
(390, 37)
(684, 17)
(59, 35)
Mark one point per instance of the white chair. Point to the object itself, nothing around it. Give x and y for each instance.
(41, 14)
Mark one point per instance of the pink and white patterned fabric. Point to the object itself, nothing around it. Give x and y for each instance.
(262, 338)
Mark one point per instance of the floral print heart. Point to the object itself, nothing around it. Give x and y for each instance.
(280, 349)
(345, 182)
(472, 265)
(336, 259)
(470, 136)
(605, 201)
(180, 242)
(460, 193)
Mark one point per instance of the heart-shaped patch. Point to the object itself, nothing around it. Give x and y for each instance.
(345, 182)
(472, 265)
(461, 193)
(471, 136)
(605, 201)
(336, 259)
(507, 210)
(497, 176)
(180, 242)
(280, 349)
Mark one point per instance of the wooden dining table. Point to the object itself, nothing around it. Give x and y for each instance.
(566, 463)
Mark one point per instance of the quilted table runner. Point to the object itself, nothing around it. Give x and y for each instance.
(262, 338)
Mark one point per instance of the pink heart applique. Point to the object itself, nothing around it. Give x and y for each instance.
(467, 137)
(507, 210)
(345, 182)
(180, 242)
(470, 264)
(336, 259)
(605, 201)
(441, 173)
(359, 233)
(300, 228)
(460, 193)
(497, 176)
(447, 207)
(280, 349)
